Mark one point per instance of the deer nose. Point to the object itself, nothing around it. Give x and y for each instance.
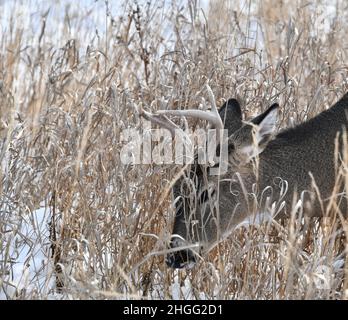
(181, 258)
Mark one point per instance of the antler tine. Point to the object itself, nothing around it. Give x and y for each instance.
(165, 123)
(210, 116)
(204, 115)
(160, 119)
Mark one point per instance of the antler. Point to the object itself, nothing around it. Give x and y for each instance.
(211, 116)
(165, 122)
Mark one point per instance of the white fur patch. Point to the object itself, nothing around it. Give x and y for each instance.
(250, 151)
(178, 242)
(256, 220)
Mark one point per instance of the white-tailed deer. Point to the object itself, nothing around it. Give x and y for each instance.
(261, 165)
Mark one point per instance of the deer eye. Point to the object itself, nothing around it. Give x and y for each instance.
(231, 147)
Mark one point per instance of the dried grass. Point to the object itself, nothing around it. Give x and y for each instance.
(66, 94)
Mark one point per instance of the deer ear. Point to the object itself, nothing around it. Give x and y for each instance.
(257, 120)
(266, 123)
(232, 107)
(231, 115)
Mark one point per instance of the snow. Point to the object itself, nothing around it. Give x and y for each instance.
(28, 269)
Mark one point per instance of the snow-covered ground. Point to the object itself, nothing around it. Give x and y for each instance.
(26, 265)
